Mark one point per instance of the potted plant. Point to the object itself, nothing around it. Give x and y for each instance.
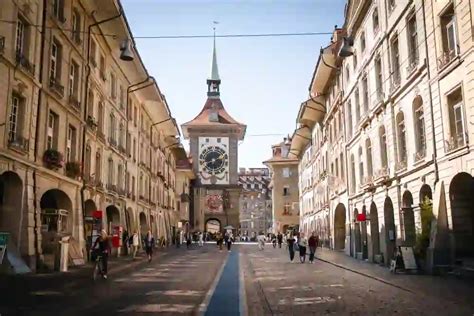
(73, 169)
(53, 159)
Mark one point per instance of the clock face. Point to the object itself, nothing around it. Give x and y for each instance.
(214, 159)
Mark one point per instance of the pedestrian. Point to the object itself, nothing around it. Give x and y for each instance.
(302, 244)
(135, 244)
(125, 242)
(200, 238)
(103, 247)
(290, 242)
(261, 241)
(230, 239)
(279, 239)
(188, 240)
(149, 243)
(274, 240)
(313, 244)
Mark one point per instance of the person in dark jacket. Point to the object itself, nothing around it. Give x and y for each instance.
(290, 240)
(149, 243)
(313, 244)
(279, 239)
(103, 248)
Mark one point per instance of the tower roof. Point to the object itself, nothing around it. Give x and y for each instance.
(214, 75)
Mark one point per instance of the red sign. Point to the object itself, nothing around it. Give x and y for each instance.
(361, 217)
(115, 241)
(97, 214)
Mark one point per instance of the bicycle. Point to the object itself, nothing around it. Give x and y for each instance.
(98, 267)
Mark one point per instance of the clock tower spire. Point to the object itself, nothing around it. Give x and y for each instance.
(214, 81)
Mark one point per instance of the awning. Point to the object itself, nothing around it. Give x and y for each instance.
(324, 70)
(301, 138)
(312, 111)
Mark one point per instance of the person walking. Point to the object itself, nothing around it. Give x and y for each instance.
(290, 242)
(149, 243)
(230, 239)
(302, 244)
(261, 241)
(312, 243)
(200, 238)
(135, 243)
(279, 239)
(188, 240)
(102, 243)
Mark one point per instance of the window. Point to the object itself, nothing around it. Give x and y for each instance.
(73, 80)
(120, 176)
(401, 134)
(93, 53)
(348, 75)
(122, 97)
(365, 91)
(391, 5)
(55, 62)
(87, 162)
(354, 60)
(71, 143)
(456, 120)
(362, 42)
(287, 209)
(121, 131)
(383, 147)
(110, 171)
(58, 10)
(368, 152)
(375, 20)
(419, 126)
(448, 32)
(395, 60)
(286, 191)
(349, 118)
(76, 27)
(90, 103)
(100, 120)
(378, 76)
(113, 86)
(21, 37)
(52, 131)
(357, 105)
(361, 166)
(341, 159)
(112, 127)
(16, 118)
(133, 185)
(98, 166)
(129, 144)
(353, 174)
(134, 148)
(286, 172)
(102, 66)
(412, 39)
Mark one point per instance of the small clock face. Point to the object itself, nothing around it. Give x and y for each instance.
(214, 159)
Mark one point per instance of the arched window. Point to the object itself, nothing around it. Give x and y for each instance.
(368, 151)
(353, 174)
(419, 120)
(401, 135)
(383, 147)
(361, 165)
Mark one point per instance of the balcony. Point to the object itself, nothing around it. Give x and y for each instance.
(378, 98)
(112, 142)
(56, 87)
(446, 57)
(367, 183)
(121, 192)
(100, 185)
(395, 81)
(73, 169)
(24, 63)
(53, 159)
(381, 174)
(75, 103)
(122, 149)
(89, 180)
(364, 120)
(18, 143)
(2, 44)
(419, 155)
(401, 165)
(456, 142)
(112, 188)
(91, 123)
(101, 135)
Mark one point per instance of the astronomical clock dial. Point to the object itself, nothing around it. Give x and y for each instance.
(214, 160)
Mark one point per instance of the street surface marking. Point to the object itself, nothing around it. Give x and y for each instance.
(304, 288)
(307, 300)
(154, 308)
(46, 293)
(176, 293)
(171, 279)
(203, 306)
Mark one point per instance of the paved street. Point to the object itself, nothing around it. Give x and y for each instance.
(190, 282)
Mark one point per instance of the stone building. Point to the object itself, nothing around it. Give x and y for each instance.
(284, 186)
(87, 129)
(387, 134)
(255, 202)
(214, 135)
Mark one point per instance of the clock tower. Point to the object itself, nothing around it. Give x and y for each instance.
(213, 136)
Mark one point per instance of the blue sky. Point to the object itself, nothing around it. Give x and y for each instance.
(264, 79)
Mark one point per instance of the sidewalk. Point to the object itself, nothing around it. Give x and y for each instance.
(441, 287)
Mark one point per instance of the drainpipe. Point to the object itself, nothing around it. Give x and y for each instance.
(37, 132)
(86, 95)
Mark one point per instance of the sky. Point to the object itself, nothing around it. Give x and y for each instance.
(264, 79)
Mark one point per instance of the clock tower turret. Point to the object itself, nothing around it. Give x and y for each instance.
(213, 136)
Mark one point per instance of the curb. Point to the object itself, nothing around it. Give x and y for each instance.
(365, 274)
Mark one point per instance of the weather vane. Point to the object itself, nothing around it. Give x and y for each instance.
(214, 27)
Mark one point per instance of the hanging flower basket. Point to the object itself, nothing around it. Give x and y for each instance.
(73, 169)
(53, 159)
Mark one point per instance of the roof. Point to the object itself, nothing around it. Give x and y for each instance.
(214, 75)
(223, 118)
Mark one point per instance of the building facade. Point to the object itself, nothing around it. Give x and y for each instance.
(255, 202)
(214, 135)
(81, 132)
(386, 133)
(284, 186)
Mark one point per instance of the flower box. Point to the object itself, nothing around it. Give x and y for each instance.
(53, 159)
(73, 169)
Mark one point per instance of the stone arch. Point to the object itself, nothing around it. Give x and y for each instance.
(426, 196)
(154, 229)
(461, 191)
(408, 216)
(389, 230)
(340, 227)
(143, 223)
(89, 208)
(113, 217)
(357, 234)
(374, 232)
(213, 225)
(363, 235)
(130, 220)
(11, 217)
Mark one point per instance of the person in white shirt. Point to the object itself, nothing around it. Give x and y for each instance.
(261, 241)
(201, 243)
(135, 244)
